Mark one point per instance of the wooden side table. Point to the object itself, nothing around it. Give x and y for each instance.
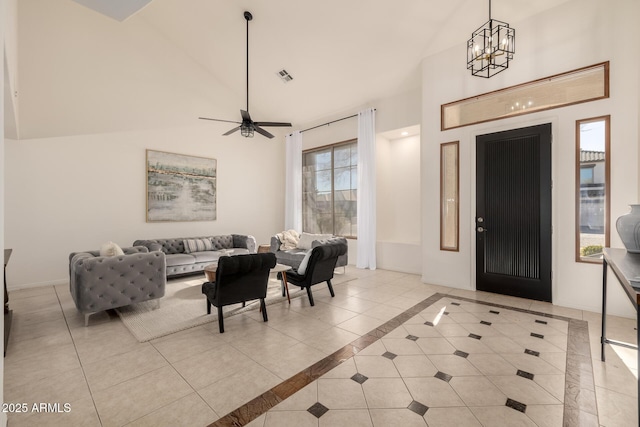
(210, 272)
(263, 249)
(282, 269)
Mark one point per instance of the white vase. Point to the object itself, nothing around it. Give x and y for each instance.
(628, 226)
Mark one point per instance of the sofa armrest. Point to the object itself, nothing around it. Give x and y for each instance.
(275, 244)
(98, 283)
(149, 244)
(245, 241)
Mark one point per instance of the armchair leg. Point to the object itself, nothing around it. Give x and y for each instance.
(310, 296)
(220, 321)
(208, 306)
(263, 307)
(86, 319)
(330, 288)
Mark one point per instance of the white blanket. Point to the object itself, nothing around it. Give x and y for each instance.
(289, 239)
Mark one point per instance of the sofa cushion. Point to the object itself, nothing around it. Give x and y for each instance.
(222, 242)
(179, 259)
(207, 256)
(236, 251)
(197, 245)
(306, 239)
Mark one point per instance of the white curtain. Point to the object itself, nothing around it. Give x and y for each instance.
(293, 186)
(366, 189)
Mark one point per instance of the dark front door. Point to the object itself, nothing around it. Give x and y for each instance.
(513, 212)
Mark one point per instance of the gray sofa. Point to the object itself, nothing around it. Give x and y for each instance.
(180, 262)
(100, 283)
(293, 257)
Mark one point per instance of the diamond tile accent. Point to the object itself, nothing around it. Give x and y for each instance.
(418, 408)
(455, 303)
(318, 410)
(461, 354)
(485, 323)
(411, 337)
(533, 334)
(446, 313)
(514, 404)
(541, 321)
(532, 352)
(474, 336)
(442, 376)
(429, 323)
(524, 374)
(359, 378)
(389, 355)
(494, 312)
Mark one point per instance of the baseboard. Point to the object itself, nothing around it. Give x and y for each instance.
(37, 284)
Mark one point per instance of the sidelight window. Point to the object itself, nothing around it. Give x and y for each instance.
(592, 188)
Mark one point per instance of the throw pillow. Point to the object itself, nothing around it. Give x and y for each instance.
(302, 268)
(306, 239)
(197, 245)
(111, 249)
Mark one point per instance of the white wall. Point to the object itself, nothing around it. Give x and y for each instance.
(3, 21)
(575, 34)
(75, 193)
(398, 210)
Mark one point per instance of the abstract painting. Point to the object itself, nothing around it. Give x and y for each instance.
(180, 187)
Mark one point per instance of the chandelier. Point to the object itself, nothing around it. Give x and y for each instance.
(490, 48)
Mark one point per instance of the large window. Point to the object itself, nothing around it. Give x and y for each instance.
(592, 188)
(329, 189)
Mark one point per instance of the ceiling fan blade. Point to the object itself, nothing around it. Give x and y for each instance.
(271, 124)
(262, 131)
(245, 115)
(218, 120)
(231, 131)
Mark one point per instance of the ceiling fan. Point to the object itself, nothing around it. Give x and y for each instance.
(248, 126)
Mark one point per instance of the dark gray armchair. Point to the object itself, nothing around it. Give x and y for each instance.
(100, 283)
(319, 269)
(239, 278)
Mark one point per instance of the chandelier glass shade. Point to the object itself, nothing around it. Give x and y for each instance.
(490, 48)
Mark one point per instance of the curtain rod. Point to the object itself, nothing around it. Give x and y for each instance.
(328, 123)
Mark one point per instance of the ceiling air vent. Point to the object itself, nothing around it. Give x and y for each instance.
(285, 76)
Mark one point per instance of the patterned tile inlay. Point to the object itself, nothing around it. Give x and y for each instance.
(446, 313)
(461, 354)
(418, 408)
(411, 337)
(533, 334)
(474, 336)
(485, 323)
(442, 376)
(575, 378)
(541, 321)
(514, 404)
(455, 303)
(318, 410)
(359, 378)
(524, 374)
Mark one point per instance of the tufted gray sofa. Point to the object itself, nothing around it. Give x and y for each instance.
(294, 257)
(100, 283)
(180, 263)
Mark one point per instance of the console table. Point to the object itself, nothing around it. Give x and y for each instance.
(626, 268)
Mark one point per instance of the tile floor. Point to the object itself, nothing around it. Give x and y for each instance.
(466, 367)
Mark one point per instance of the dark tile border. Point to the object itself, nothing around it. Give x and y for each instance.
(579, 398)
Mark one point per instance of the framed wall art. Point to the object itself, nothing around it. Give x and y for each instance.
(180, 187)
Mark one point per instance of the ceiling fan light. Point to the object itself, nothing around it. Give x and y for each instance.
(246, 131)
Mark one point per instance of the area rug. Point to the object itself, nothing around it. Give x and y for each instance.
(184, 306)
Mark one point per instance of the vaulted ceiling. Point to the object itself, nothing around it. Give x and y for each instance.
(83, 72)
